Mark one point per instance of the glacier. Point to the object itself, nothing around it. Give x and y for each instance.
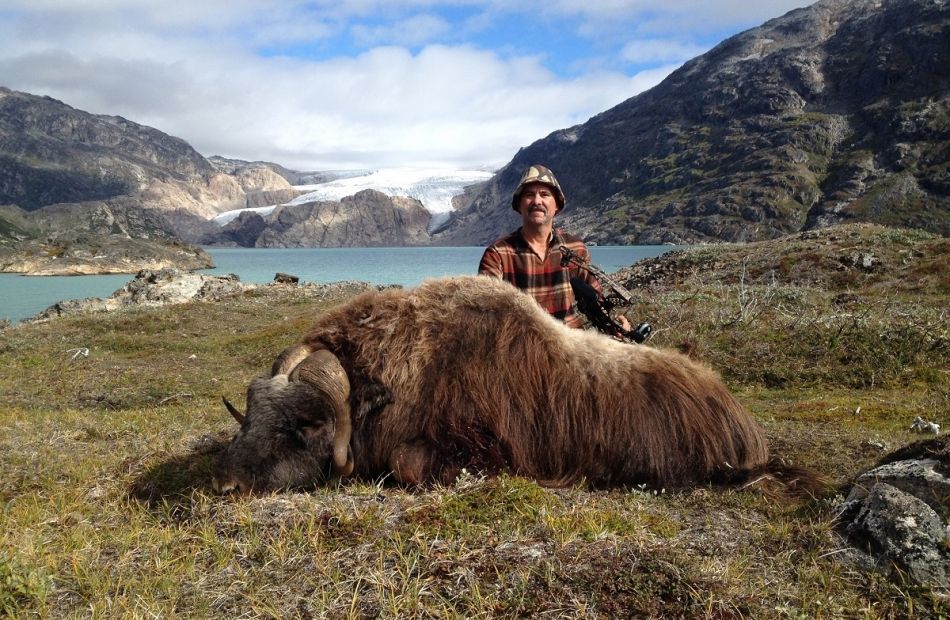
(433, 187)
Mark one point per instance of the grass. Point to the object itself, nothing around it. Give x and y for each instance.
(107, 509)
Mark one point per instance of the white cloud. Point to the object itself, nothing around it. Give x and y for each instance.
(332, 84)
(712, 13)
(414, 31)
(659, 50)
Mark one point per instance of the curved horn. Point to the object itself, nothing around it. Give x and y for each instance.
(234, 411)
(322, 370)
(289, 358)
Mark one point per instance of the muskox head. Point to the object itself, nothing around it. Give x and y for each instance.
(298, 422)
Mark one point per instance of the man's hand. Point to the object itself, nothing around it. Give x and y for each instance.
(624, 323)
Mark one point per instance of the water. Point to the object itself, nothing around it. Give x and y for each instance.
(24, 296)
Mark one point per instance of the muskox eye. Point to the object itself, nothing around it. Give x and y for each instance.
(306, 433)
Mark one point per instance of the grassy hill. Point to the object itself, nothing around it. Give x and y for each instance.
(835, 340)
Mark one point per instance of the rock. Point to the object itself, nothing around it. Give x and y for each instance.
(923, 426)
(937, 448)
(153, 288)
(170, 286)
(286, 278)
(242, 231)
(915, 477)
(864, 261)
(896, 514)
(902, 532)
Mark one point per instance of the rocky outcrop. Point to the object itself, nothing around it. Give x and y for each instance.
(836, 112)
(243, 231)
(294, 177)
(171, 286)
(896, 514)
(366, 219)
(153, 288)
(98, 254)
(264, 183)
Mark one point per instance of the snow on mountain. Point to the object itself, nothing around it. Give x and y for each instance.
(434, 188)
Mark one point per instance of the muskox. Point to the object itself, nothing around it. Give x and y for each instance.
(470, 373)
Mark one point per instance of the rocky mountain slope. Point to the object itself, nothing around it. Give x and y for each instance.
(91, 238)
(367, 219)
(835, 112)
(74, 184)
(85, 193)
(51, 153)
(101, 255)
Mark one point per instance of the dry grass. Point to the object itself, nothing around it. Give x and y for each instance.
(108, 512)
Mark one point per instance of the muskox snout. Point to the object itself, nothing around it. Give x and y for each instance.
(225, 478)
(224, 486)
(230, 474)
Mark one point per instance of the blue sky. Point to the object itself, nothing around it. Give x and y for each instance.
(359, 83)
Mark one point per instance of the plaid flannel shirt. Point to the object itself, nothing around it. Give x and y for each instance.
(512, 259)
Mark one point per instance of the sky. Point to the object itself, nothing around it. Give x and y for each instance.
(358, 84)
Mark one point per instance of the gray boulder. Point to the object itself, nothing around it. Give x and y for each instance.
(896, 515)
(920, 478)
(170, 286)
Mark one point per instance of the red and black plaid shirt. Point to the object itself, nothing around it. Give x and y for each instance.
(512, 259)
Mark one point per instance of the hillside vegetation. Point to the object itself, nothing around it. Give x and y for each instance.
(110, 422)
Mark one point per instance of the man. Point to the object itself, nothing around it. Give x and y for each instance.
(529, 257)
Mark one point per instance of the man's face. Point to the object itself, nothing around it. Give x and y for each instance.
(538, 204)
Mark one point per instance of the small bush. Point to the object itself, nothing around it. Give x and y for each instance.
(21, 586)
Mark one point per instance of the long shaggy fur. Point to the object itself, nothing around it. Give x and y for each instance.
(480, 377)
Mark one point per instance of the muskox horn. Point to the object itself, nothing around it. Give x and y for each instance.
(289, 358)
(234, 411)
(322, 370)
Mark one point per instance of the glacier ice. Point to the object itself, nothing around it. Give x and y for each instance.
(433, 187)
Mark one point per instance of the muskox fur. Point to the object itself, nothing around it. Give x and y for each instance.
(470, 373)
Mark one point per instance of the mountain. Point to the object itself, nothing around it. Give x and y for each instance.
(53, 154)
(385, 207)
(368, 218)
(70, 179)
(839, 111)
(436, 188)
(86, 193)
(439, 190)
(294, 177)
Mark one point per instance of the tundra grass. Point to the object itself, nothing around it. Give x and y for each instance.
(107, 509)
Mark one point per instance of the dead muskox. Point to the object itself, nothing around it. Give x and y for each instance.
(468, 372)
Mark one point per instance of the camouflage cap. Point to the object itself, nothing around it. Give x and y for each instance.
(539, 174)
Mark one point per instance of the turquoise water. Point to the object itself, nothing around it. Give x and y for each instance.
(24, 296)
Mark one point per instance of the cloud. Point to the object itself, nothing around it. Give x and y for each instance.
(411, 32)
(713, 14)
(353, 83)
(659, 50)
